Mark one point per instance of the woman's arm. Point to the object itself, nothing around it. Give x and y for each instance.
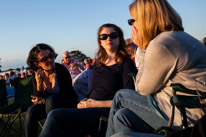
(65, 82)
(90, 103)
(159, 63)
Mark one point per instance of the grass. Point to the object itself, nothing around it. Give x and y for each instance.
(15, 131)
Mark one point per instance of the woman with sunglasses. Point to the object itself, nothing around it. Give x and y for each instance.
(110, 73)
(167, 55)
(52, 87)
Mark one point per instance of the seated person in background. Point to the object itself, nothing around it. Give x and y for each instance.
(168, 55)
(1, 77)
(131, 48)
(23, 70)
(6, 77)
(23, 75)
(72, 65)
(29, 73)
(203, 41)
(52, 87)
(87, 63)
(110, 73)
(11, 78)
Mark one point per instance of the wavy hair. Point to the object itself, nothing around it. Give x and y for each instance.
(33, 55)
(101, 55)
(152, 18)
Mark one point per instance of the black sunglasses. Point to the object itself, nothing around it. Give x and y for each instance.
(112, 35)
(51, 55)
(131, 21)
(68, 57)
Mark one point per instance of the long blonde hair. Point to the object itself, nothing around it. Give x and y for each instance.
(154, 17)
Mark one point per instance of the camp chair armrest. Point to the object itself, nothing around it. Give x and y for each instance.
(185, 101)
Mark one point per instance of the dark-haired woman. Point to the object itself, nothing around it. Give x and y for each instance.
(52, 87)
(110, 73)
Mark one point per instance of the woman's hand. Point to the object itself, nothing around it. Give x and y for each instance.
(134, 36)
(39, 76)
(42, 80)
(87, 103)
(38, 100)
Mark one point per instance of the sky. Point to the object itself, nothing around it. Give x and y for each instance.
(73, 25)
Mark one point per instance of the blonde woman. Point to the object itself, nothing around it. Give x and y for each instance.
(167, 55)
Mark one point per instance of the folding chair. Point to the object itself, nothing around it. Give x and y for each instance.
(3, 94)
(3, 103)
(23, 89)
(197, 100)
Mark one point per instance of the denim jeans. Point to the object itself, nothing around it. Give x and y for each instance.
(73, 122)
(130, 112)
(39, 111)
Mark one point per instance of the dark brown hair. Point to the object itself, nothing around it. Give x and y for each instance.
(32, 57)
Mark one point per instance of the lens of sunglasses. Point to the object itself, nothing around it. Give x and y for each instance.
(51, 56)
(112, 35)
(68, 57)
(131, 21)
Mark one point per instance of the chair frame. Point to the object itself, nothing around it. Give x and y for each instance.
(23, 89)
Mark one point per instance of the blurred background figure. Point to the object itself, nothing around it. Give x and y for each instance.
(23, 75)
(87, 63)
(29, 73)
(23, 69)
(72, 65)
(11, 78)
(203, 41)
(131, 48)
(1, 77)
(6, 77)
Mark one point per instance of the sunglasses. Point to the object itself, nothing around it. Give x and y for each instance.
(68, 57)
(112, 35)
(131, 21)
(51, 55)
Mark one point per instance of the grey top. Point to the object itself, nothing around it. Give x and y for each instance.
(172, 57)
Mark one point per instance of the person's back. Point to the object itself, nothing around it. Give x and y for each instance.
(186, 62)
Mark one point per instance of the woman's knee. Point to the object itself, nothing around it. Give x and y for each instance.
(121, 114)
(50, 101)
(30, 113)
(54, 116)
(125, 93)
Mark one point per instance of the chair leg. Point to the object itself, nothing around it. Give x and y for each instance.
(40, 124)
(5, 125)
(183, 117)
(9, 123)
(102, 126)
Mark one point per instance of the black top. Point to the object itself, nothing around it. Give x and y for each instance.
(64, 81)
(107, 80)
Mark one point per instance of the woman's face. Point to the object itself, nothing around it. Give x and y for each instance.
(134, 34)
(46, 60)
(109, 39)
